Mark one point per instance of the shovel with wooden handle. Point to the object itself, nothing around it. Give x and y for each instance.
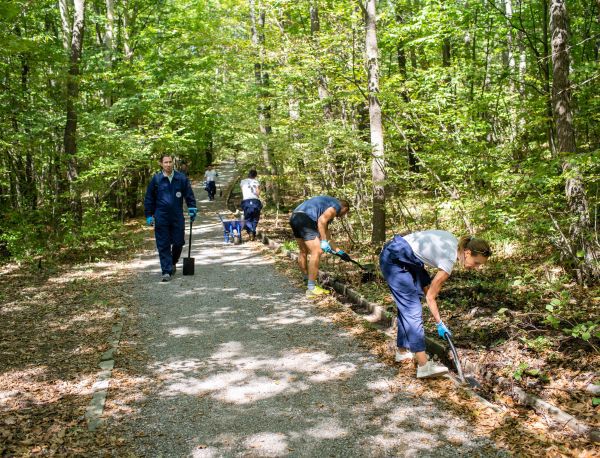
(188, 263)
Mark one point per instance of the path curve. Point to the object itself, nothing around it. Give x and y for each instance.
(243, 366)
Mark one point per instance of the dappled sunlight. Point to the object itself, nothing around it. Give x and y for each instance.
(195, 387)
(248, 379)
(178, 366)
(267, 444)
(327, 429)
(289, 316)
(185, 331)
(253, 390)
(206, 452)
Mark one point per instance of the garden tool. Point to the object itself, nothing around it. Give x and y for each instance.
(368, 269)
(464, 380)
(188, 263)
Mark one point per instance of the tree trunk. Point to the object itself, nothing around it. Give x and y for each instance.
(376, 126)
(583, 249)
(257, 21)
(109, 45)
(128, 24)
(72, 94)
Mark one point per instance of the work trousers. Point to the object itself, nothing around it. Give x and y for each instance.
(252, 208)
(211, 188)
(406, 277)
(170, 239)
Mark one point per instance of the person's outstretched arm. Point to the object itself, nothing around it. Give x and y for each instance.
(432, 291)
(323, 224)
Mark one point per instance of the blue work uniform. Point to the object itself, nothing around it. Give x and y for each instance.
(164, 201)
(406, 277)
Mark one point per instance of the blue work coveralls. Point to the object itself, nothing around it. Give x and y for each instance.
(251, 208)
(406, 277)
(164, 201)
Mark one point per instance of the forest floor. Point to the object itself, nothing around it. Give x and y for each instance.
(496, 322)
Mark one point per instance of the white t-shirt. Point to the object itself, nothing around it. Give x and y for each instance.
(435, 248)
(249, 188)
(210, 175)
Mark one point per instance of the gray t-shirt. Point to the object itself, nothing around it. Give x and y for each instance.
(435, 248)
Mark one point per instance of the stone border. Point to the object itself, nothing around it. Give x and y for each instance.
(378, 315)
(95, 409)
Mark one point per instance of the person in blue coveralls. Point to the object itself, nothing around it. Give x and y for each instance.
(251, 205)
(402, 262)
(310, 225)
(163, 207)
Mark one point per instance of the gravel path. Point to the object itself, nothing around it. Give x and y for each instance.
(244, 367)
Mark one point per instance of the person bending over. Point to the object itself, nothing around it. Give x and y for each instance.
(402, 262)
(310, 225)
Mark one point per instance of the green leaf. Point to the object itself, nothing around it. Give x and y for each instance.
(596, 402)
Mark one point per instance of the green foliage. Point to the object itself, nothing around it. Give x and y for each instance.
(290, 245)
(539, 344)
(519, 371)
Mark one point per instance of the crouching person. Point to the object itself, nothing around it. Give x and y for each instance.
(402, 262)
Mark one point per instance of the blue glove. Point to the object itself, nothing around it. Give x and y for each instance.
(443, 330)
(341, 252)
(150, 220)
(192, 212)
(326, 247)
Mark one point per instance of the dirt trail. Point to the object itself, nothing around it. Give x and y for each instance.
(242, 365)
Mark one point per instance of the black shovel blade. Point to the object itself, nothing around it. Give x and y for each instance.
(188, 266)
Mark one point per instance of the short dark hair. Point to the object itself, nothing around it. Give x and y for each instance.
(252, 173)
(344, 203)
(162, 156)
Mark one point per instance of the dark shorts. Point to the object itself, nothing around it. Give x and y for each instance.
(303, 226)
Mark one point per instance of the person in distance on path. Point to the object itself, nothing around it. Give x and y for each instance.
(402, 262)
(310, 225)
(251, 205)
(210, 177)
(163, 207)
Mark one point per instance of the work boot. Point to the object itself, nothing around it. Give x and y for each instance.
(403, 356)
(166, 277)
(431, 369)
(317, 291)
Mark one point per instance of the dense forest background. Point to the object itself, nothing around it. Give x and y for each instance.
(477, 117)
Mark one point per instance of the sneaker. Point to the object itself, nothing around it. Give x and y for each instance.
(431, 369)
(318, 291)
(166, 277)
(404, 356)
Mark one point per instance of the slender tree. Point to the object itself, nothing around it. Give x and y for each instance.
(257, 20)
(375, 122)
(581, 229)
(74, 30)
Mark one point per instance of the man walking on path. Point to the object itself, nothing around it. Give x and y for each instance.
(251, 205)
(210, 177)
(163, 207)
(310, 224)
